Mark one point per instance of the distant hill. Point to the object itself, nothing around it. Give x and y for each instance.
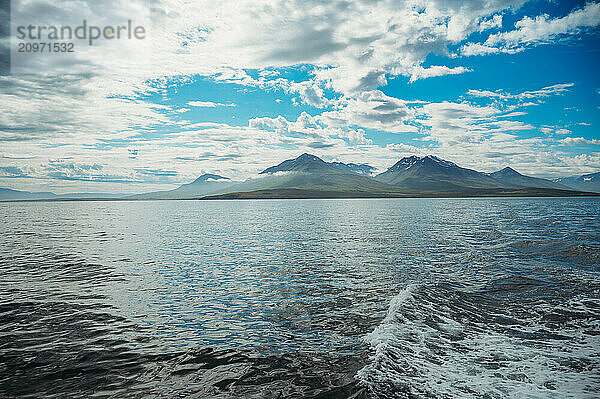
(589, 182)
(432, 174)
(205, 184)
(511, 178)
(6, 194)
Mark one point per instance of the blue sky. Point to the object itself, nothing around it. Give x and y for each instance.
(233, 90)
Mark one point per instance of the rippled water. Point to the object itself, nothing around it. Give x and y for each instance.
(392, 298)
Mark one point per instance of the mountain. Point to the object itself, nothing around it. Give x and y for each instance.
(311, 163)
(589, 182)
(309, 173)
(6, 194)
(511, 178)
(432, 174)
(304, 163)
(204, 185)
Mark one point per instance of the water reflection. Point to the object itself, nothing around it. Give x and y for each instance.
(279, 298)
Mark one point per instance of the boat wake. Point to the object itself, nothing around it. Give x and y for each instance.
(440, 342)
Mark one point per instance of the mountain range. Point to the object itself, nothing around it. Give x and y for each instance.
(308, 176)
(7, 194)
(589, 182)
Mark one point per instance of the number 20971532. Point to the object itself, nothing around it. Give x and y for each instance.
(46, 47)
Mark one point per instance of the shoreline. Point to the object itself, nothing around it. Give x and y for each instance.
(324, 195)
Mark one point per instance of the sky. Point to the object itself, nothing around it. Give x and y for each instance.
(233, 87)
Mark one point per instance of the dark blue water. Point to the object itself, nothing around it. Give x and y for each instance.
(392, 298)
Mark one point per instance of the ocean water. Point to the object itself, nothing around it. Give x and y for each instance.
(379, 298)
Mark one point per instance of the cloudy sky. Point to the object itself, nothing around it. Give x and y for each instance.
(232, 87)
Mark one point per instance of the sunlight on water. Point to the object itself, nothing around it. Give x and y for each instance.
(344, 298)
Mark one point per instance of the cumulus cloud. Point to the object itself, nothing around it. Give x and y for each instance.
(100, 111)
(471, 49)
(452, 123)
(533, 31)
(310, 92)
(279, 124)
(490, 23)
(355, 43)
(356, 136)
(353, 46)
(307, 126)
(373, 110)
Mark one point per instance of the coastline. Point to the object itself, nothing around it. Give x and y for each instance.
(301, 194)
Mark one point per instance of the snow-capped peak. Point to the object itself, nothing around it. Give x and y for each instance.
(408, 162)
(440, 161)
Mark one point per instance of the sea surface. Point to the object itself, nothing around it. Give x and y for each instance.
(378, 298)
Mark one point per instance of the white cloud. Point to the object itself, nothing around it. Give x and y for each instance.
(562, 131)
(351, 49)
(555, 130)
(533, 31)
(436, 70)
(310, 92)
(209, 104)
(486, 93)
(491, 23)
(547, 91)
(355, 43)
(372, 110)
(557, 89)
(356, 136)
(279, 124)
(579, 141)
(353, 46)
(471, 49)
(513, 114)
(309, 127)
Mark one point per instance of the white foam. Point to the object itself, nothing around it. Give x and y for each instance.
(435, 349)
